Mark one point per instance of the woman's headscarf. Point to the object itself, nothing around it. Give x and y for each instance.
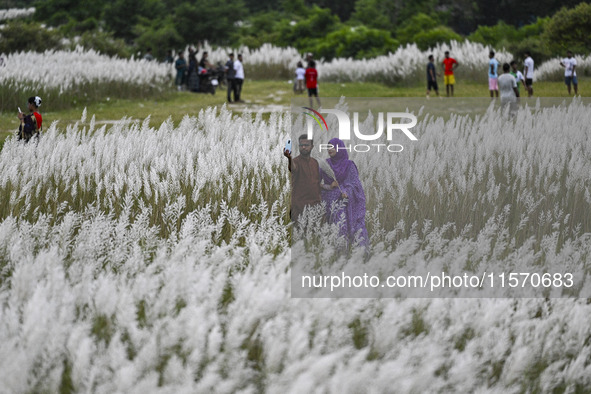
(340, 163)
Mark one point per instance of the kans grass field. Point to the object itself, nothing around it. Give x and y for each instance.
(145, 246)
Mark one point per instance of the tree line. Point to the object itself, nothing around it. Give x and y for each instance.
(328, 28)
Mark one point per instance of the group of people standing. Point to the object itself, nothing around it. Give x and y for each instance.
(506, 89)
(234, 77)
(336, 183)
(307, 77)
(189, 73)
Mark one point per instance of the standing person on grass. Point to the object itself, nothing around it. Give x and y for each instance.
(31, 124)
(312, 82)
(493, 76)
(508, 88)
(570, 75)
(519, 79)
(449, 65)
(229, 67)
(181, 67)
(305, 178)
(300, 78)
(238, 79)
(431, 77)
(528, 71)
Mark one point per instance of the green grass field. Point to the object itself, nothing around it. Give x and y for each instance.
(268, 95)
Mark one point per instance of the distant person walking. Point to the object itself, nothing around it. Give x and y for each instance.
(300, 78)
(312, 82)
(508, 88)
(519, 78)
(169, 59)
(181, 67)
(148, 56)
(193, 73)
(230, 73)
(570, 74)
(449, 65)
(493, 76)
(431, 77)
(528, 71)
(238, 79)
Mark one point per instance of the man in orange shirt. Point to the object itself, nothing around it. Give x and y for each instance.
(449, 65)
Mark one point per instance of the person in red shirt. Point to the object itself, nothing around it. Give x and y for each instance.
(312, 82)
(449, 65)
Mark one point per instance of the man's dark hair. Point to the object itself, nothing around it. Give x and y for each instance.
(569, 51)
(231, 55)
(430, 57)
(305, 137)
(506, 67)
(527, 53)
(446, 53)
(491, 53)
(312, 64)
(512, 62)
(33, 100)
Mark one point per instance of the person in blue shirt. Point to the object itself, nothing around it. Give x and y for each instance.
(493, 76)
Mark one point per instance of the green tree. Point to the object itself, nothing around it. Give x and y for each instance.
(211, 20)
(389, 14)
(121, 16)
(159, 35)
(438, 35)
(18, 35)
(59, 12)
(570, 29)
(415, 25)
(358, 42)
(492, 35)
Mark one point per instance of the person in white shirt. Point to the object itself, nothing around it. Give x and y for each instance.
(508, 88)
(300, 78)
(238, 79)
(570, 75)
(529, 73)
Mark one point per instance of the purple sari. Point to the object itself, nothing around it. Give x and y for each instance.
(354, 208)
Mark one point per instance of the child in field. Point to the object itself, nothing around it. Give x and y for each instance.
(31, 124)
(300, 78)
(312, 82)
(519, 78)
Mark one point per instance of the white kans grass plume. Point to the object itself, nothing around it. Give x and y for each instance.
(409, 62)
(14, 13)
(66, 69)
(146, 258)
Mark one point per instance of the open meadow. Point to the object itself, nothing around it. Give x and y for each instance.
(145, 246)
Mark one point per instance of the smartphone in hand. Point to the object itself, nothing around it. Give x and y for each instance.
(288, 146)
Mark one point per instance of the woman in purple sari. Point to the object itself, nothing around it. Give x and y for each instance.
(347, 190)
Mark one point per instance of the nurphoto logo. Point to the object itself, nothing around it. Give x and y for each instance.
(344, 129)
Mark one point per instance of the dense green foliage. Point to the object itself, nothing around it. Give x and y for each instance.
(328, 28)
